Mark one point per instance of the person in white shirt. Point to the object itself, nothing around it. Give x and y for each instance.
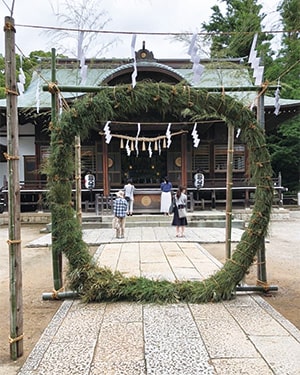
(129, 196)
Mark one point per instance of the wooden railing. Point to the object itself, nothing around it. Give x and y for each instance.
(211, 195)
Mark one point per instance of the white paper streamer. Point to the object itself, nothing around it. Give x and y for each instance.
(79, 46)
(252, 54)
(196, 139)
(20, 88)
(159, 147)
(168, 135)
(37, 95)
(60, 104)
(108, 135)
(238, 132)
(150, 150)
(22, 80)
(277, 104)
(127, 147)
(258, 75)
(197, 67)
(253, 105)
(136, 139)
(258, 71)
(134, 74)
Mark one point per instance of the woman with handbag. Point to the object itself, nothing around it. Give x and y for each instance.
(179, 218)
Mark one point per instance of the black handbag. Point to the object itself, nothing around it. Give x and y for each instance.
(172, 206)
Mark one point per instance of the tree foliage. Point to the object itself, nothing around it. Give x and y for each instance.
(242, 19)
(284, 144)
(28, 65)
(235, 29)
(284, 147)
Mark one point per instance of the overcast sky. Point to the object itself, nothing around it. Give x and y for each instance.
(127, 16)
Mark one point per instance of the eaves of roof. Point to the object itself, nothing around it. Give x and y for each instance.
(211, 78)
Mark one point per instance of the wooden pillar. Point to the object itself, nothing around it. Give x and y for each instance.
(105, 168)
(14, 224)
(184, 160)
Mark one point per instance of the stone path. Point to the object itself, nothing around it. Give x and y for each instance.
(95, 237)
(242, 336)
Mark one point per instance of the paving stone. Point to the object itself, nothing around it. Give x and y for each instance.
(221, 333)
(245, 366)
(173, 344)
(246, 309)
(242, 336)
(281, 353)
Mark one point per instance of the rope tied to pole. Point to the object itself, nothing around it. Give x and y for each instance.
(9, 91)
(15, 339)
(53, 88)
(13, 242)
(8, 26)
(10, 157)
(54, 294)
(263, 284)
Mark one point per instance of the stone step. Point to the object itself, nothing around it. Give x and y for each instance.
(209, 219)
(199, 223)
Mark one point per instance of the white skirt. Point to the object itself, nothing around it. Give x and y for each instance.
(165, 202)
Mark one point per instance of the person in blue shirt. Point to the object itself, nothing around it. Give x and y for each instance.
(166, 196)
(120, 211)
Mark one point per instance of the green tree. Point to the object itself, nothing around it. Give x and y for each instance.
(284, 147)
(284, 142)
(28, 64)
(235, 29)
(289, 55)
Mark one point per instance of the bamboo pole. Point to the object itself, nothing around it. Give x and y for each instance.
(261, 252)
(230, 150)
(14, 227)
(78, 178)
(85, 89)
(50, 296)
(56, 253)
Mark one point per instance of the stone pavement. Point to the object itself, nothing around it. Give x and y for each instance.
(96, 237)
(242, 336)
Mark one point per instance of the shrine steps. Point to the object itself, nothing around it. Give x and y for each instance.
(212, 219)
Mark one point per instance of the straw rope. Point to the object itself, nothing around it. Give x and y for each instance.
(10, 157)
(16, 339)
(13, 242)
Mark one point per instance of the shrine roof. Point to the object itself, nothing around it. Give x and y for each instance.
(214, 76)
